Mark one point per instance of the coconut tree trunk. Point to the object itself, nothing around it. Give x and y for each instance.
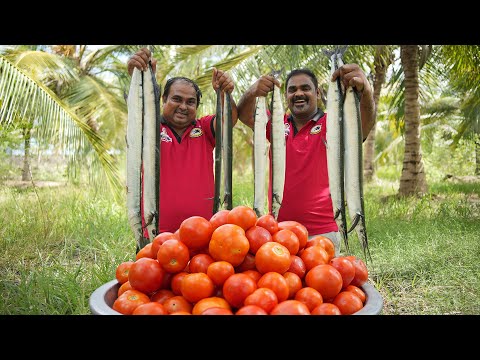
(383, 58)
(412, 180)
(477, 155)
(26, 174)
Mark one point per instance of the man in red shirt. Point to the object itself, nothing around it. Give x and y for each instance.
(187, 144)
(306, 196)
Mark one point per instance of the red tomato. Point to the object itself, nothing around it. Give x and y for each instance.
(127, 302)
(161, 295)
(219, 271)
(347, 302)
(243, 216)
(254, 274)
(345, 267)
(290, 307)
(326, 309)
(121, 273)
(219, 218)
(264, 298)
(237, 287)
(248, 263)
(151, 308)
(229, 243)
(173, 255)
(217, 311)
(124, 287)
(268, 222)
(297, 266)
(313, 256)
(251, 310)
(288, 239)
(357, 291)
(160, 239)
(146, 275)
(177, 303)
(176, 282)
(276, 282)
(146, 251)
(210, 302)
(299, 230)
(196, 286)
(272, 256)
(310, 297)
(294, 283)
(199, 263)
(361, 271)
(195, 232)
(326, 280)
(325, 242)
(257, 236)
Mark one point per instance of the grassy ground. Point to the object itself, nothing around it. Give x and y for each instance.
(58, 244)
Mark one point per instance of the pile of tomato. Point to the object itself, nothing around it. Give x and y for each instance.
(236, 263)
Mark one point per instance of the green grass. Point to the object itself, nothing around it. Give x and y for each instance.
(59, 244)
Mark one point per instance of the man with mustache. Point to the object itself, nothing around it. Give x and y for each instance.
(187, 144)
(306, 196)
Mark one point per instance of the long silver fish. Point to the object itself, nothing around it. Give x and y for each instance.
(278, 147)
(260, 149)
(150, 152)
(134, 156)
(335, 147)
(354, 167)
(227, 148)
(218, 153)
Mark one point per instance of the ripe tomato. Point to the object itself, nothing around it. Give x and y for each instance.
(180, 313)
(161, 295)
(290, 307)
(264, 298)
(257, 236)
(276, 282)
(199, 263)
(121, 273)
(297, 266)
(294, 283)
(313, 256)
(357, 291)
(325, 242)
(326, 309)
(310, 297)
(124, 287)
(288, 239)
(219, 271)
(243, 216)
(268, 222)
(196, 286)
(237, 287)
(347, 302)
(160, 239)
(229, 243)
(146, 275)
(254, 274)
(177, 303)
(272, 256)
(176, 282)
(219, 218)
(129, 300)
(251, 310)
(345, 268)
(361, 271)
(173, 255)
(210, 302)
(248, 263)
(151, 308)
(326, 280)
(195, 232)
(299, 230)
(146, 251)
(217, 311)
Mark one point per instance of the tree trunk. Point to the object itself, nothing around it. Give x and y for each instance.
(477, 155)
(412, 180)
(26, 175)
(383, 58)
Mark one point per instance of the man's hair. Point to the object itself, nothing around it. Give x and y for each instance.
(170, 81)
(304, 71)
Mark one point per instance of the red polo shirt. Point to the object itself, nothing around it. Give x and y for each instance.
(186, 174)
(306, 195)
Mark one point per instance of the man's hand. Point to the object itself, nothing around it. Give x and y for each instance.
(352, 75)
(140, 60)
(221, 80)
(263, 86)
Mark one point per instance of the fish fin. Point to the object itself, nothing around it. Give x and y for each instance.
(355, 221)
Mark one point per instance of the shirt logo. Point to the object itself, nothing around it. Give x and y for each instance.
(287, 129)
(196, 132)
(316, 129)
(164, 136)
